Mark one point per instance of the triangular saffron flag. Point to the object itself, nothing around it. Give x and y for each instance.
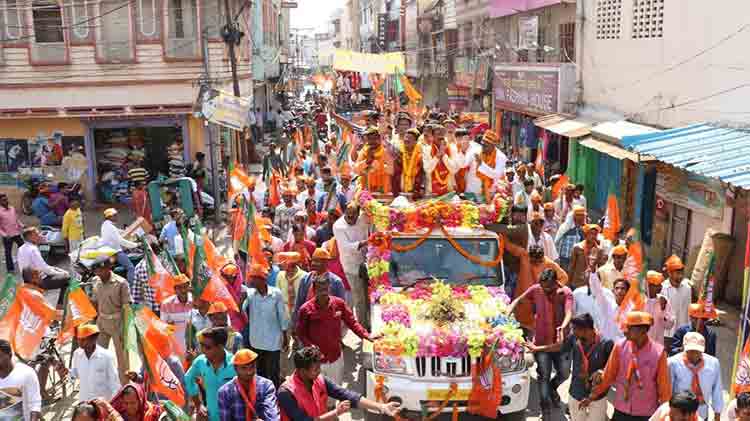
(612, 224)
(26, 321)
(214, 259)
(239, 181)
(78, 310)
(216, 291)
(160, 377)
(159, 279)
(158, 333)
(557, 187)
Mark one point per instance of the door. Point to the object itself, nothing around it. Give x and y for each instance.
(680, 230)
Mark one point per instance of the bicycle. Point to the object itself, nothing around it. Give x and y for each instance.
(50, 370)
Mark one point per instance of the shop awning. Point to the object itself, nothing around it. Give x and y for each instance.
(609, 149)
(563, 126)
(703, 149)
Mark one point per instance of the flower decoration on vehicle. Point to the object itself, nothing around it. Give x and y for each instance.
(436, 319)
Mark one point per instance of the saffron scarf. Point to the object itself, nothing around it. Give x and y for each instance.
(313, 404)
(696, 385)
(585, 365)
(632, 371)
(248, 397)
(409, 167)
(440, 175)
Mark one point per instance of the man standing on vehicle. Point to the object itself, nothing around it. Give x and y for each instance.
(111, 295)
(93, 366)
(351, 238)
(111, 237)
(29, 256)
(10, 230)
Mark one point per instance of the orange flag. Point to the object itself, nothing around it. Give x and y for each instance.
(562, 182)
(632, 270)
(214, 259)
(26, 321)
(216, 291)
(158, 333)
(160, 280)
(239, 180)
(160, 377)
(612, 218)
(78, 310)
(274, 198)
(487, 387)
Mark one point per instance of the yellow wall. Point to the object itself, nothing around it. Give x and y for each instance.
(195, 133)
(31, 127)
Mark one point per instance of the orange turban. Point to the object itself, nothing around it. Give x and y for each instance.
(698, 311)
(537, 216)
(579, 210)
(674, 263)
(244, 357)
(257, 270)
(620, 251)
(321, 254)
(490, 137)
(638, 318)
(217, 307)
(589, 227)
(181, 280)
(549, 206)
(230, 269)
(654, 278)
(288, 257)
(87, 330)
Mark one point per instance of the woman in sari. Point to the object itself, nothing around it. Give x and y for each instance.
(95, 410)
(131, 403)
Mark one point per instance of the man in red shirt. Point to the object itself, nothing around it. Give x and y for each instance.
(319, 324)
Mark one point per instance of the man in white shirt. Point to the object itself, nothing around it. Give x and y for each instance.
(21, 383)
(93, 366)
(658, 307)
(613, 270)
(602, 304)
(537, 236)
(532, 174)
(29, 257)
(351, 236)
(515, 185)
(111, 237)
(678, 293)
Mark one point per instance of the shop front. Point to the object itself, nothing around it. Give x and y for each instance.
(525, 93)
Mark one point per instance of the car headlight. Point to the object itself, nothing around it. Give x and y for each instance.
(511, 363)
(390, 364)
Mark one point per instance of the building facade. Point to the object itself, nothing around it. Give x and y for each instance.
(120, 89)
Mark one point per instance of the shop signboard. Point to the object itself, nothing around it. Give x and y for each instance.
(528, 32)
(382, 30)
(499, 8)
(692, 191)
(224, 109)
(288, 4)
(534, 91)
(458, 97)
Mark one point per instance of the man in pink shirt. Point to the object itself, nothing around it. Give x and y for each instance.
(553, 309)
(658, 307)
(10, 230)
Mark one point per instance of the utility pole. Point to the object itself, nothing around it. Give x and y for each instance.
(211, 139)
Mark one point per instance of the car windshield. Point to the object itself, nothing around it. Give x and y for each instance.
(437, 258)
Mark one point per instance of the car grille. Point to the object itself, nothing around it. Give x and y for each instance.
(444, 366)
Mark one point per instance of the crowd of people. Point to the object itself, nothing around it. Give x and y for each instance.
(280, 355)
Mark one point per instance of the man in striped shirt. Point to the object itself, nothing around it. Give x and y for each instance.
(175, 310)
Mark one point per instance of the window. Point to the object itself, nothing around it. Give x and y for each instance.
(648, 19)
(541, 43)
(48, 23)
(11, 21)
(567, 42)
(78, 16)
(468, 41)
(182, 36)
(115, 38)
(148, 21)
(608, 19)
(214, 21)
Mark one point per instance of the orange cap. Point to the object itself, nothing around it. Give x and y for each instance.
(654, 278)
(217, 307)
(589, 227)
(321, 254)
(85, 331)
(620, 250)
(257, 270)
(549, 206)
(181, 279)
(230, 269)
(579, 210)
(537, 216)
(698, 311)
(638, 318)
(288, 257)
(674, 263)
(244, 357)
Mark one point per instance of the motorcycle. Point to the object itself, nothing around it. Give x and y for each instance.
(85, 267)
